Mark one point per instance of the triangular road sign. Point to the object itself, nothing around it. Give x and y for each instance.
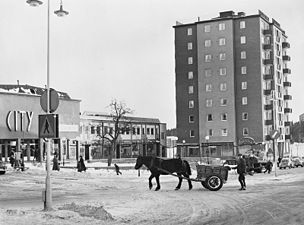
(48, 126)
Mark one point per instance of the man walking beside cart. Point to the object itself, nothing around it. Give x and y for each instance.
(241, 170)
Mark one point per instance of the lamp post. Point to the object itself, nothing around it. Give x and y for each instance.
(60, 13)
(207, 141)
(183, 152)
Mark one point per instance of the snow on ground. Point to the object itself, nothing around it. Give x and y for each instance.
(102, 197)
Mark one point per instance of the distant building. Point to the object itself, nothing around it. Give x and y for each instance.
(142, 136)
(301, 117)
(232, 82)
(171, 147)
(19, 110)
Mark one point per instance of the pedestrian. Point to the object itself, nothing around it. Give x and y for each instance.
(117, 169)
(268, 166)
(12, 159)
(241, 170)
(55, 163)
(80, 165)
(279, 161)
(22, 165)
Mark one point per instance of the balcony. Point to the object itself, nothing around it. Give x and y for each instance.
(287, 123)
(286, 58)
(287, 136)
(268, 107)
(287, 110)
(287, 97)
(287, 84)
(268, 122)
(268, 61)
(267, 138)
(286, 70)
(267, 46)
(268, 76)
(285, 44)
(267, 32)
(267, 92)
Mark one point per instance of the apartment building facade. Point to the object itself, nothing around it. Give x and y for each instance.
(232, 85)
(139, 136)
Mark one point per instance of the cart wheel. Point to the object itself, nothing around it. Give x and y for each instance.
(214, 182)
(204, 184)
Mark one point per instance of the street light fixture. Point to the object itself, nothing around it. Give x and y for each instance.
(207, 140)
(34, 3)
(60, 12)
(183, 152)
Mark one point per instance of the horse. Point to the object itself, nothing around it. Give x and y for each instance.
(158, 166)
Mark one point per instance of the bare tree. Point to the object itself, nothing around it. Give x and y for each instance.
(118, 112)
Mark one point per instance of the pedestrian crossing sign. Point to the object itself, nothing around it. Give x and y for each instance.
(48, 126)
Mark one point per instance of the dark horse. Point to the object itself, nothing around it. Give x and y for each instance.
(158, 166)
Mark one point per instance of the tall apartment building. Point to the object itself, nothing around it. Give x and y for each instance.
(231, 82)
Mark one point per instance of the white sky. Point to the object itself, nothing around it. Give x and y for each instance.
(108, 49)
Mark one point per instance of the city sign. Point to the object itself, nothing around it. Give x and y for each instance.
(19, 120)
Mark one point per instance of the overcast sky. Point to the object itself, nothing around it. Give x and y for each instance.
(124, 49)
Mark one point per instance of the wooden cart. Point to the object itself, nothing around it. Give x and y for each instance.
(212, 177)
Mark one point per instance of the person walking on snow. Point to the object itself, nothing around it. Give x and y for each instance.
(117, 169)
(55, 163)
(241, 170)
(268, 166)
(80, 165)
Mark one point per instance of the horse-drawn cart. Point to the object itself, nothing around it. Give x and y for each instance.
(212, 177)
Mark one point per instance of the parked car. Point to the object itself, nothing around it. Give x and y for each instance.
(231, 163)
(286, 163)
(298, 162)
(2, 167)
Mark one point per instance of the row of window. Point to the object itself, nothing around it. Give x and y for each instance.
(135, 130)
(222, 56)
(223, 132)
(221, 27)
(223, 117)
(223, 87)
(221, 42)
(221, 71)
(209, 102)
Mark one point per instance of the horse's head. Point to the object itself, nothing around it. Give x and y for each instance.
(139, 162)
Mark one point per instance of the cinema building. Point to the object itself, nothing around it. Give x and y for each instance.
(142, 136)
(19, 132)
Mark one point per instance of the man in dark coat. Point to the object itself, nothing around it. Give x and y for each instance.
(268, 166)
(80, 165)
(241, 170)
(55, 163)
(117, 169)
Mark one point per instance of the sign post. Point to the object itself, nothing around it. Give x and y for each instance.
(275, 134)
(48, 129)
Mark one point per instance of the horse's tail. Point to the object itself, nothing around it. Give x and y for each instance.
(188, 168)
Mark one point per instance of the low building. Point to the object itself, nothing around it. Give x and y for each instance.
(19, 132)
(141, 136)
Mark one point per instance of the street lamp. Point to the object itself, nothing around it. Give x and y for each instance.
(60, 12)
(207, 141)
(183, 152)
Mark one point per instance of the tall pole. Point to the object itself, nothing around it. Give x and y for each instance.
(274, 128)
(48, 193)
